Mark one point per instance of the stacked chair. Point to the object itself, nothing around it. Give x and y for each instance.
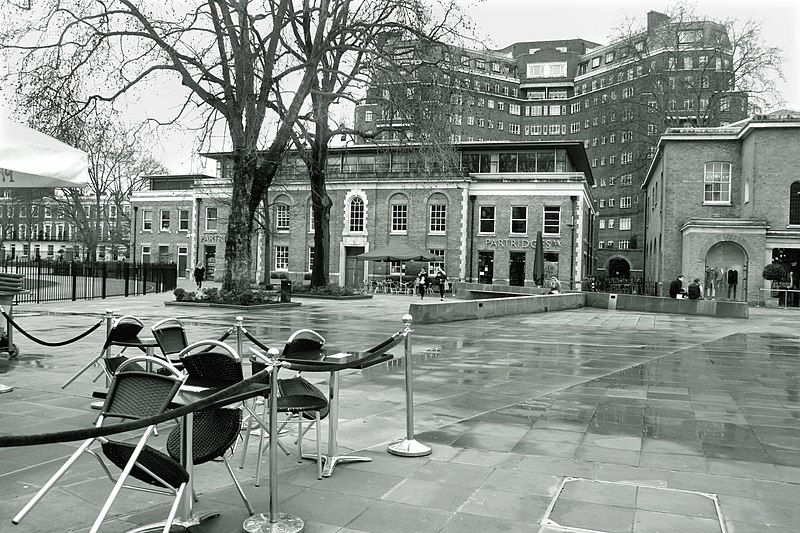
(134, 394)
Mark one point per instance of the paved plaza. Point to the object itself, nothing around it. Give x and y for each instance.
(589, 419)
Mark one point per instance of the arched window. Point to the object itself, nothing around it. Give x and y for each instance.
(398, 211)
(356, 214)
(794, 203)
(282, 213)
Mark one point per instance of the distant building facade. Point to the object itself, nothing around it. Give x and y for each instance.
(481, 217)
(615, 98)
(724, 202)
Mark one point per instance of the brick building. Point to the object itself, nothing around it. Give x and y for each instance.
(482, 216)
(722, 203)
(616, 98)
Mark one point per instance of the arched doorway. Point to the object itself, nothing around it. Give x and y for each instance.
(726, 272)
(619, 268)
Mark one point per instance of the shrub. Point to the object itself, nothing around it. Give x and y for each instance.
(775, 272)
(325, 290)
(180, 294)
(217, 296)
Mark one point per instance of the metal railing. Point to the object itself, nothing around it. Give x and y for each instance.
(785, 297)
(49, 280)
(621, 286)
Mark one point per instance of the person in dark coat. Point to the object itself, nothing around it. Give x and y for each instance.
(694, 291)
(422, 283)
(676, 287)
(441, 279)
(199, 275)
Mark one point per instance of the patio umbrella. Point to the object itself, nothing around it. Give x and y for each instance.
(398, 252)
(538, 261)
(29, 158)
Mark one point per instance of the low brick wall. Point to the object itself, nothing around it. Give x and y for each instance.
(485, 301)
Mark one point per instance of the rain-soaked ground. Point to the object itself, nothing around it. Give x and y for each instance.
(589, 419)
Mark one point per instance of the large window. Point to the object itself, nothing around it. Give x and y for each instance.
(147, 220)
(164, 220)
(552, 221)
(794, 203)
(438, 218)
(547, 70)
(433, 266)
(281, 258)
(519, 220)
(310, 258)
(211, 219)
(717, 180)
(486, 224)
(356, 214)
(183, 220)
(282, 217)
(399, 218)
(145, 254)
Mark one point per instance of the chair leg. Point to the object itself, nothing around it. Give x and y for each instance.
(173, 511)
(238, 487)
(52, 481)
(246, 440)
(319, 445)
(121, 481)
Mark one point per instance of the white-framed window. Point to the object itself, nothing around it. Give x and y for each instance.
(356, 219)
(145, 254)
(625, 202)
(513, 129)
(555, 129)
(434, 266)
(626, 179)
(183, 220)
(399, 218)
(602, 224)
(575, 127)
(470, 120)
(501, 106)
(311, 217)
(310, 258)
(281, 257)
(519, 220)
(486, 219)
(536, 129)
(717, 183)
(281, 217)
(515, 109)
(147, 220)
(481, 122)
(551, 224)
(602, 202)
(601, 244)
(438, 218)
(611, 202)
(164, 220)
(368, 116)
(624, 244)
(625, 223)
(611, 223)
(547, 70)
(397, 267)
(211, 218)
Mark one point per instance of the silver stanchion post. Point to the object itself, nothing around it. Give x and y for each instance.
(274, 521)
(239, 334)
(409, 447)
(109, 324)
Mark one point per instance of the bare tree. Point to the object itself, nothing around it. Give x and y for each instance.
(230, 56)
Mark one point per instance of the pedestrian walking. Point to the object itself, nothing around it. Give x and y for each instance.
(422, 283)
(441, 278)
(199, 274)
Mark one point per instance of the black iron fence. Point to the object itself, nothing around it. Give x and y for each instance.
(49, 280)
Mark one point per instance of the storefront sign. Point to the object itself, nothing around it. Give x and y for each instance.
(212, 237)
(520, 243)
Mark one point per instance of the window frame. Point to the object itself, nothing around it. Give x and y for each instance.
(147, 220)
(486, 221)
(708, 185)
(281, 252)
(356, 219)
(182, 219)
(439, 220)
(518, 220)
(548, 224)
(282, 217)
(214, 226)
(398, 222)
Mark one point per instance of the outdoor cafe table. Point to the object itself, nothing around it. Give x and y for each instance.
(333, 362)
(192, 391)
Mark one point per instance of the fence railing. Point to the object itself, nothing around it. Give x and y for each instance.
(622, 286)
(50, 281)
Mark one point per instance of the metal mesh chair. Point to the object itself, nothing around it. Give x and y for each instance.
(171, 338)
(133, 395)
(303, 340)
(302, 401)
(215, 432)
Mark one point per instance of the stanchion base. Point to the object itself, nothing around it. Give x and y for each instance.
(179, 524)
(98, 404)
(5, 388)
(286, 523)
(409, 448)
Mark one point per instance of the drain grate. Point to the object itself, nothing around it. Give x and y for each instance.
(594, 506)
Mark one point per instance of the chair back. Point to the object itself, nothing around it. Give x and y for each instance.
(134, 394)
(303, 340)
(214, 433)
(170, 336)
(124, 328)
(212, 360)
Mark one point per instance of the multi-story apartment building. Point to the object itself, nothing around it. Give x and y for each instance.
(616, 98)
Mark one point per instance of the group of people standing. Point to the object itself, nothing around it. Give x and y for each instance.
(423, 283)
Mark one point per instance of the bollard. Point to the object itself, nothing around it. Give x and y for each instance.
(274, 521)
(409, 447)
(239, 334)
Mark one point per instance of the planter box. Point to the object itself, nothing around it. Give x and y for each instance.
(234, 306)
(770, 302)
(332, 297)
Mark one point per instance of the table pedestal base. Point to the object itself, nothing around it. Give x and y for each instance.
(409, 448)
(330, 462)
(5, 388)
(179, 524)
(285, 523)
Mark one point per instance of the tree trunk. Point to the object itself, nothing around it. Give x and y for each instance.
(238, 245)
(319, 194)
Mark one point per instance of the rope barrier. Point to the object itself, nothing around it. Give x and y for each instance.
(255, 341)
(104, 431)
(46, 343)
